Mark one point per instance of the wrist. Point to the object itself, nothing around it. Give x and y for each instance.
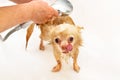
(27, 10)
(32, 9)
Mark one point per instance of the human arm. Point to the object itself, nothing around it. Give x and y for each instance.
(13, 15)
(37, 11)
(20, 1)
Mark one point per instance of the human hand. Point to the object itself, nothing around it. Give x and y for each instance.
(41, 11)
(20, 1)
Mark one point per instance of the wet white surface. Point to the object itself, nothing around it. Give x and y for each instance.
(99, 56)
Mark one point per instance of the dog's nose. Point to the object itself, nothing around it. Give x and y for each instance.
(67, 47)
(63, 44)
(63, 47)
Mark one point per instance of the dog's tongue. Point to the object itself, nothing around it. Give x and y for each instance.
(69, 47)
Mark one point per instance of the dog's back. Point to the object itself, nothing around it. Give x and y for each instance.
(46, 28)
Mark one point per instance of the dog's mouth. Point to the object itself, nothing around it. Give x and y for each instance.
(66, 49)
(65, 52)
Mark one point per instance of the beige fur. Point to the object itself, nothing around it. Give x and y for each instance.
(64, 36)
(64, 33)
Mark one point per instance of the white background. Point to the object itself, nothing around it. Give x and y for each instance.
(99, 57)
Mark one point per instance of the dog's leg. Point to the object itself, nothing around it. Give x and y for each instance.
(29, 32)
(59, 64)
(57, 67)
(41, 47)
(75, 64)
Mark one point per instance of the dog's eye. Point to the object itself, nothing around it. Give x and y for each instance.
(70, 39)
(57, 40)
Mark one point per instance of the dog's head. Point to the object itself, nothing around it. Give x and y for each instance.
(66, 37)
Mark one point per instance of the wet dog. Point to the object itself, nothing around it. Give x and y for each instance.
(66, 39)
(64, 36)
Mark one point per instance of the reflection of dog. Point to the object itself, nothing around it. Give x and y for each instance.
(66, 40)
(64, 36)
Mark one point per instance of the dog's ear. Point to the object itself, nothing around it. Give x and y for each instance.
(79, 28)
(79, 38)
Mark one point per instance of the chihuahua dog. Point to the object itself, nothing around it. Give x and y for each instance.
(66, 39)
(64, 36)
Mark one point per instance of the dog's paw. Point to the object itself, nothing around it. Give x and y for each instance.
(76, 68)
(42, 47)
(56, 68)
